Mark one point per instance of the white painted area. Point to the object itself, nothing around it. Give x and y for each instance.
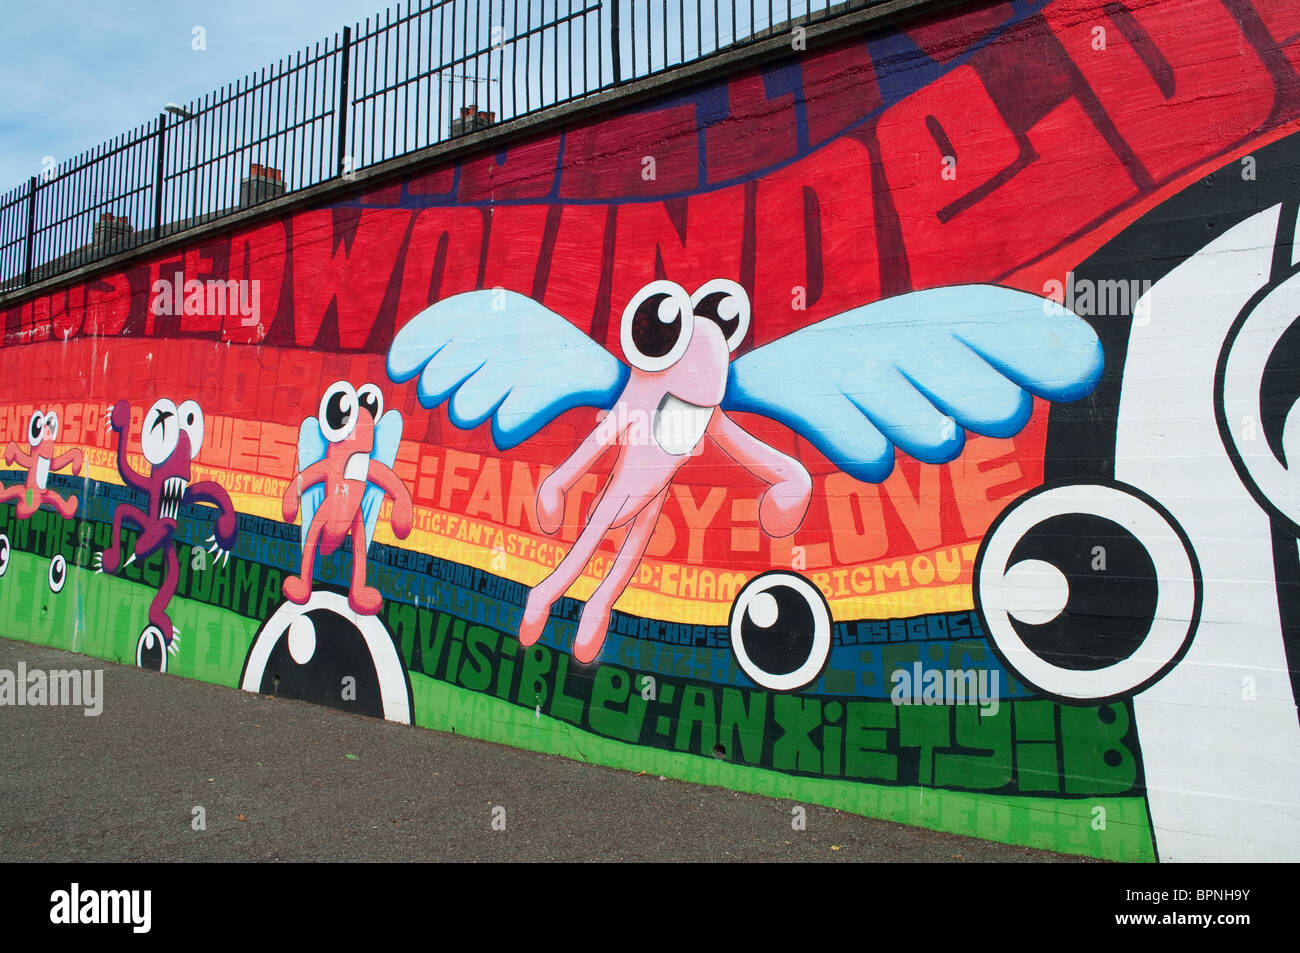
(1036, 591)
(763, 610)
(302, 640)
(679, 425)
(1222, 763)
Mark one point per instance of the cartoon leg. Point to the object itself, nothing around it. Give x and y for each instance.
(594, 621)
(29, 504)
(297, 589)
(67, 508)
(546, 592)
(15, 492)
(364, 600)
(158, 608)
(113, 555)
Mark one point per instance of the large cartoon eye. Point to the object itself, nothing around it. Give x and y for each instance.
(161, 431)
(191, 420)
(1088, 592)
(338, 411)
(657, 325)
(369, 397)
(302, 652)
(1257, 382)
(52, 425)
(726, 304)
(781, 631)
(36, 429)
(58, 573)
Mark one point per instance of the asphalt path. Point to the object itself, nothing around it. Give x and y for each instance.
(279, 780)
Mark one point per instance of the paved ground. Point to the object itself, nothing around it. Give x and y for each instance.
(289, 781)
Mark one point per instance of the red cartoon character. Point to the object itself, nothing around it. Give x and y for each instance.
(345, 460)
(40, 461)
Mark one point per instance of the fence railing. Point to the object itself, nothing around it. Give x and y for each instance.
(409, 78)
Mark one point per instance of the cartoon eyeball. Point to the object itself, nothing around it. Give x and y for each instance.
(191, 420)
(657, 326)
(780, 629)
(302, 652)
(338, 411)
(161, 432)
(726, 304)
(1088, 592)
(51, 425)
(36, 429)
(371, 400)
(58, 573)
(151, 650)
(4, 553)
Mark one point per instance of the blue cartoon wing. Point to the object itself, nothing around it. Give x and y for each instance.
(311, 449)
(388, 434)
(501, 355)
(912, 371)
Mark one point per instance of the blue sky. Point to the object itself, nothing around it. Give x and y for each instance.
(76, 74)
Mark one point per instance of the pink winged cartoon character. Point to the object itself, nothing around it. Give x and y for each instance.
(912, 372)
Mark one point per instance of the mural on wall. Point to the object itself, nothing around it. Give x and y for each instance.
(910, 372)
(937, 499)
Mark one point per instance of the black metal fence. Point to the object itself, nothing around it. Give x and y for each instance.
(409, 78)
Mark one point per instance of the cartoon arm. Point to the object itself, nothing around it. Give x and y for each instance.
(12, 453)
(72, 458)
(382, 476)
(119, 420)
(215, 494)
(553, 489)
(785, 502)
(302, 480)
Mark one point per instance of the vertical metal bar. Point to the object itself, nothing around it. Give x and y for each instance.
(341, 121)
(158, 178)
(616, 42)
(277, 135)
(310, 138)
(31, 228)
(464, 57)
(231, 136)
(380, 154)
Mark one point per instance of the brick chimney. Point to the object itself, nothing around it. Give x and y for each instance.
(471, 119)
(110, 230)
(260, 185)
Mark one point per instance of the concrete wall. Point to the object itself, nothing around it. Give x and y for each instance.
(901, 425)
